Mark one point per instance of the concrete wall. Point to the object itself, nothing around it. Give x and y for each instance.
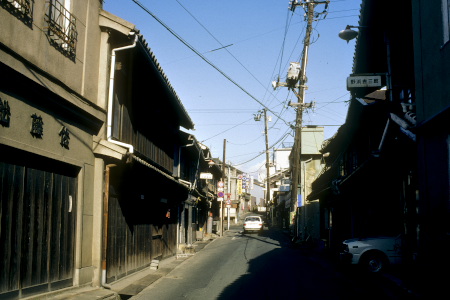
(312, 139)
(80, 74)
(63, 92)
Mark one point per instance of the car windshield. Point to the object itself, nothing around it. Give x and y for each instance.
(256, 219)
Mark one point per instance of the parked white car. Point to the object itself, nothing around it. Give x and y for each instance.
(373, 253)
(253, 223)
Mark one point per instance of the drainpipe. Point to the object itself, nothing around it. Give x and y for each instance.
(111, 94)
(105, 225)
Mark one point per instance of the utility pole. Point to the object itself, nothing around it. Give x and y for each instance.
(296, 150)
(227, 194)
(266, 132)
(223, 180)
(299, 81)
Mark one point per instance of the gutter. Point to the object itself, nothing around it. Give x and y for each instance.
(111, 94)
(109, 138)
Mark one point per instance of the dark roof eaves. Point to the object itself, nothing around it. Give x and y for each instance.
(189, 123)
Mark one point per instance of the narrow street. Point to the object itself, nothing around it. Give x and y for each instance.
(262, 266)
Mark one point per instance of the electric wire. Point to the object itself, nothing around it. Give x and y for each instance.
(335, 100)
(205, 59)
(263, 152)
(228, 129)
(287, 25)
(224, 47)
(245, 144)
(281, 54)
(277, 115)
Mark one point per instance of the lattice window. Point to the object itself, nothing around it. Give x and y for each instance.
(61, 27)
(22, 9)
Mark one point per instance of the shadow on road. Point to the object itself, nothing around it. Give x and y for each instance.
(292, 272)
(285, 273)
(269, 236)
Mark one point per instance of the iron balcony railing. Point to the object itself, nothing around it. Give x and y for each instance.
(22, 9)
(61, 28)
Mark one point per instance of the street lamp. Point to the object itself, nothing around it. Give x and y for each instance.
(348, 33)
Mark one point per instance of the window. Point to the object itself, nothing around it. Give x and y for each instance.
(61, 27)
(446, 19)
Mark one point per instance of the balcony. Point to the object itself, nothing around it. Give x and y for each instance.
(61, 28)
(22, 9)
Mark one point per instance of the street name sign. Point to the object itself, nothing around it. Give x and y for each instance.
(206, 175)
(362, 81)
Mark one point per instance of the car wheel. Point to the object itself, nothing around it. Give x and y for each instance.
(374, 262)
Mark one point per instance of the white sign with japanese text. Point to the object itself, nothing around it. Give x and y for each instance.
(206, 176)
(363, 81)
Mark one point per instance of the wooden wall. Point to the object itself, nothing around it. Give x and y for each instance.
(37, 230)
(134, 241)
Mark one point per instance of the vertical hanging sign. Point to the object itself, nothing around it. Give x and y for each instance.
(239, 185)
(220, 194)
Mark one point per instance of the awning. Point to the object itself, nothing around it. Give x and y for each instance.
(314, 195)
(148, 165)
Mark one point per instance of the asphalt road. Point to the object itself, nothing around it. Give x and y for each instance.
(262, 266)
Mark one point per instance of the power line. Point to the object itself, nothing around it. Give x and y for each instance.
(284, 40)
(224, 47)
(220, 111)
(286, 134)
(205, 59)
(225, 130)
(236, 144)
(337, 11)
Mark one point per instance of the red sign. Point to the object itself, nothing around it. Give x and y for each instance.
(220, 194)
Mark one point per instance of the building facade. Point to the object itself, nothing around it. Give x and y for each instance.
(431, 34)
(390, 160)
(97, 179)
(49, 61)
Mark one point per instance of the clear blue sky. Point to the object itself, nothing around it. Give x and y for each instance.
(263, 37)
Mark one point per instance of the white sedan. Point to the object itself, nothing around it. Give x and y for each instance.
(373, 253)
(253, 223)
